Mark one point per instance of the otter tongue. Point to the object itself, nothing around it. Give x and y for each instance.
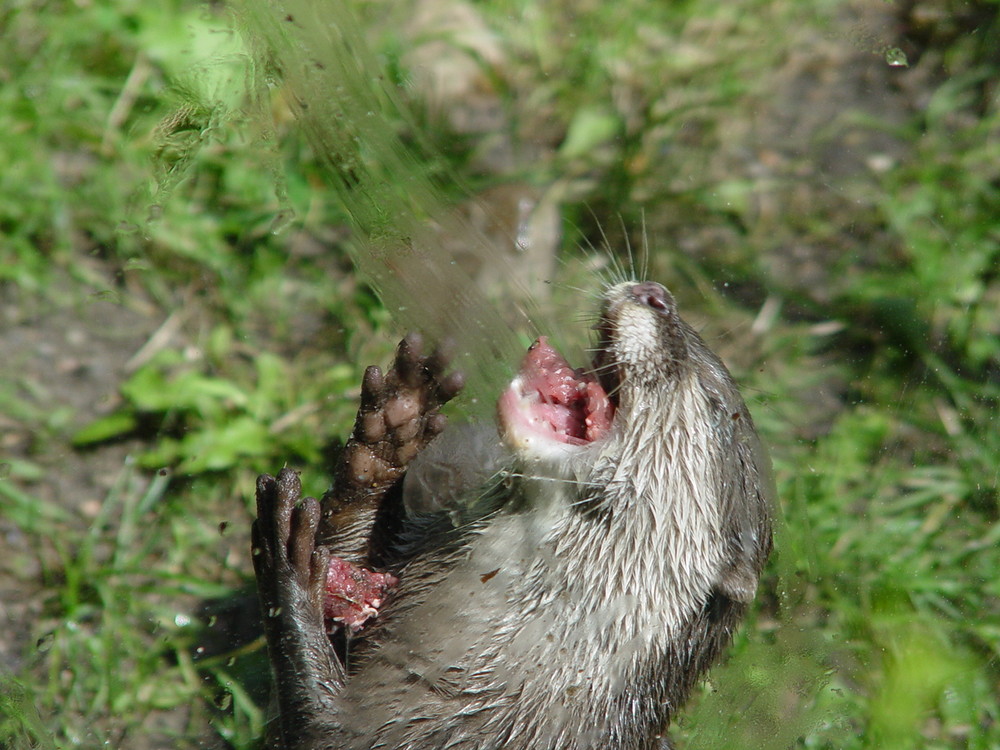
(572, 403)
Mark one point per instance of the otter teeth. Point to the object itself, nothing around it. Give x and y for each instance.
(550, 409)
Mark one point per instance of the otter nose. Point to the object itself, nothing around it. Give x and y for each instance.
(652, 295)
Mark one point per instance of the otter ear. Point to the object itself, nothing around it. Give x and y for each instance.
(738, 579)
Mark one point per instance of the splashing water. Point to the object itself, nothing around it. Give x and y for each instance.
(398, 210)
(896, 58)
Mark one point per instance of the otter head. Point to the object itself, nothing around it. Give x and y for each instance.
(642, 342)
(551, 410)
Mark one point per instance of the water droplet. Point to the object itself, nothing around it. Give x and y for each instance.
(182, 620)
(281, 221)
(274, 612)
(896, 58)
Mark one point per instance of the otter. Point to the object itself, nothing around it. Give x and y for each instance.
(565, 592)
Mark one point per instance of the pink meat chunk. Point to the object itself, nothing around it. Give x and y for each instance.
(354, 594)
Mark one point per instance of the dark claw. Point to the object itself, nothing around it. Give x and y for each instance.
(442, 356)
(409, 365)
(436, 424)
(372, 387)
(450, 387)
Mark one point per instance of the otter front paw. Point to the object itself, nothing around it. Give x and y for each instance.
(291, 570)
(291, 579)
(399, 415)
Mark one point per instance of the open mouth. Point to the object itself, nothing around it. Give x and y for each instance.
(551, 405)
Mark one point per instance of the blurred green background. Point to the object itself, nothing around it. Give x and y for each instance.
(818, 182)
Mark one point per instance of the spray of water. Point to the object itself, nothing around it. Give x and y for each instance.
(315, 52)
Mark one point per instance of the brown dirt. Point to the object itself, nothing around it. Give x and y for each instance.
(65, 352)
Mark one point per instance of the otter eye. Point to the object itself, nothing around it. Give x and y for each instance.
(651, 295)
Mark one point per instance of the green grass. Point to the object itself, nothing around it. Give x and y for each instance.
(151, 163)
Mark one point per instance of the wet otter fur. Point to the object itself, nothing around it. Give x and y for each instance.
(573, 601)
